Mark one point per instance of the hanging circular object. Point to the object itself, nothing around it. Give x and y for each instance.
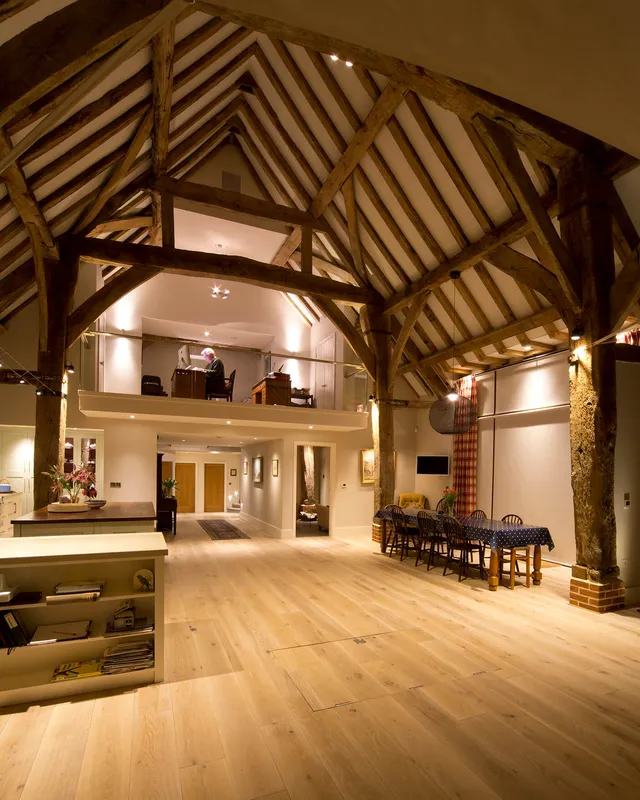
(452, 414)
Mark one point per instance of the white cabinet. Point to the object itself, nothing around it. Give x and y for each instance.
(10, 507)
(38, 564)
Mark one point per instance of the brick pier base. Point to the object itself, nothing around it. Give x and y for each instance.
(599, 597)
(376, 532)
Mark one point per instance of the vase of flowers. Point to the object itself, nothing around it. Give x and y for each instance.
(169, 486)
(449, 497)
(70, 488)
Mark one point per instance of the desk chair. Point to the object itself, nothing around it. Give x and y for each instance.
(218, 391)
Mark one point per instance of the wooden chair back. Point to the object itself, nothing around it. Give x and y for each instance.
(478, 514)
(398, 520)
(426, 524)
(453, 531)
(513, 519)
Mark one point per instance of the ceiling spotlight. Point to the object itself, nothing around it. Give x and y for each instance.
(334, 58)
(22, 380)
(577, 333)
(132, 416)
(69, 368)
(527, 347)
(206, 333)
(38, 392)
(453, 396)
(348, 63)
(310, 427)
(228, 422)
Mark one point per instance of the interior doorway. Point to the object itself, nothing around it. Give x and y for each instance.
(214, 487)
(313, 490)
(325, 373)
(186, 491)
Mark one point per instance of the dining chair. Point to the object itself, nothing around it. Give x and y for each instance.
(478, 514)
(428, 534)
(457, 542)
(401, 533)
(514, 555)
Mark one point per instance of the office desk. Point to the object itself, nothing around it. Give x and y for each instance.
(272, 392)
(189, 383)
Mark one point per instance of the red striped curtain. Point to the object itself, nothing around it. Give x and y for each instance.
(629, 337)
(465, 453)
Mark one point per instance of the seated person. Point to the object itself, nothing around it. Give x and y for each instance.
(215, 372)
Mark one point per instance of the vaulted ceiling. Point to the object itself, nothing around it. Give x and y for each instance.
(409, 190)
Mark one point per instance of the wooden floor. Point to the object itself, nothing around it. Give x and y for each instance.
(318, 669)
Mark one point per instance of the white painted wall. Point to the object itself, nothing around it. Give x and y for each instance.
(627, 478)
(230, 461)
(262, 503)
(524, 464)
(130, 459)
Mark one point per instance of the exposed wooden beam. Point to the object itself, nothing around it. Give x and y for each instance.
(411, 317)
(162, 57)
(244, 270)
(124, 224)
(353, 336)
(506, 233)
(532, 274)
(27, 75)
(24, 200)
(306, 249)
(549, 140)
(93, 307)
(625, 292)
(105, 70)
(512, 329)
(236, 201)
(508, 159)
(382, 111)
(349, 195)
(120, 171)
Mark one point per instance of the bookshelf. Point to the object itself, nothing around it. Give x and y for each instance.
(38, 564)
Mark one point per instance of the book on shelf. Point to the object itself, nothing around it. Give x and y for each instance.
(75, 587)
(61, 632)
(78, 669)
(72, 597)
(12, 631)
(140, 626)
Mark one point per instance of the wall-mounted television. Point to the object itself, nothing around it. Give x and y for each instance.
(432, 465)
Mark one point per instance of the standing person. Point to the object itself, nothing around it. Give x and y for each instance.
(214, 370)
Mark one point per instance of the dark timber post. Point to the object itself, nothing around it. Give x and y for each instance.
(55, 300)
(586, 229)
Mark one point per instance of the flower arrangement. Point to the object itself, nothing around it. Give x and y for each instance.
(449, 496)
(80, 481)
(169, 486)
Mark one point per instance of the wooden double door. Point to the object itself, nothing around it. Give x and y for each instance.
(214, 485)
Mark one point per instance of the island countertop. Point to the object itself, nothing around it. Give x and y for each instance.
(112, 512)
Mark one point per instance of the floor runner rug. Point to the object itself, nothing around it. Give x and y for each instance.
(221, 529)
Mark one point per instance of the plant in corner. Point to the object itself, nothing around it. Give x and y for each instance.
(449, 496)
(169, 486)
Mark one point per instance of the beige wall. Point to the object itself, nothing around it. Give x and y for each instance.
(129, 459)
(262, 503)
(431, 443)
(627, 478)
(523, 458)
(230, 461)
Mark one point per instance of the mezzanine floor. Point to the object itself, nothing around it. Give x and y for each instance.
(314, 668)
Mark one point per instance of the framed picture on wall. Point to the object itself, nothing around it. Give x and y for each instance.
(257, 469)
(233, 472)
(275, 467)
(367, 465)
(245, 467)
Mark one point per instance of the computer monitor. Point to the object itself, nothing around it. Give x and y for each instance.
(184, 357)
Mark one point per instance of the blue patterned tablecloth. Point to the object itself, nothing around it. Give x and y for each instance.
(493, 532)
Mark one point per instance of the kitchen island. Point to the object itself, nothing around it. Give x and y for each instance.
(112, 518)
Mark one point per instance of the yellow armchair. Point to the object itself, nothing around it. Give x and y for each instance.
(412, 501)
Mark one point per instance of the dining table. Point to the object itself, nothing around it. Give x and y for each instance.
(495, 533)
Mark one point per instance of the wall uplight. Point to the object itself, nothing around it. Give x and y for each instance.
(453, 396)
(576, 334)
